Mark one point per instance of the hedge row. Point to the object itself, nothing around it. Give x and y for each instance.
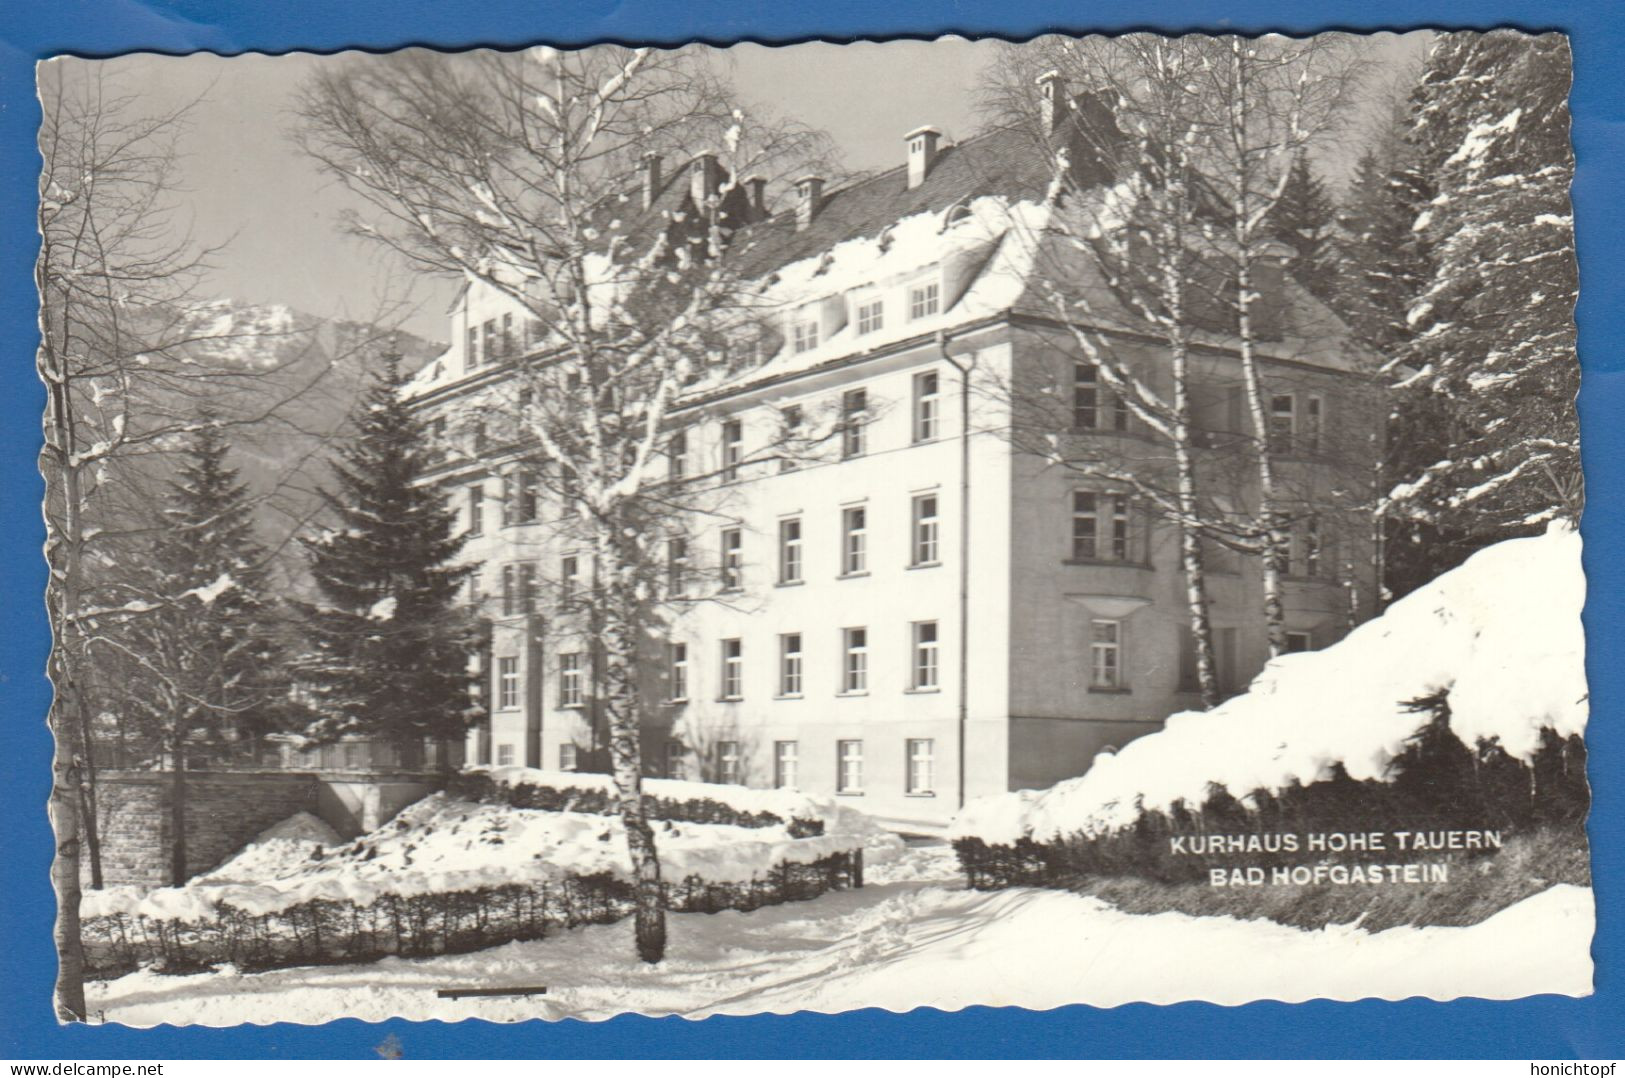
(1437, 783)
(481, 786)
(326, 932)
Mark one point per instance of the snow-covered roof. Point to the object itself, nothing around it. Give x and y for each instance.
(979, 217)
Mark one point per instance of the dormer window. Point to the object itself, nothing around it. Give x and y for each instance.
(804, 335)
(924, 300)
(871, 316)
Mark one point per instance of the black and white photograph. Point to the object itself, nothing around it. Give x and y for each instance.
(569, 532)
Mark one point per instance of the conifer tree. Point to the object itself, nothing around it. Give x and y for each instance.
(1492, 340)
(1384, 267)
(206, 641)
(1304, 218)
(389, 641)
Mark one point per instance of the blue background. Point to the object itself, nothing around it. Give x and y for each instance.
(1536, 1028)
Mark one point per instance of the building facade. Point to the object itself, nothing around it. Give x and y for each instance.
(924, 606)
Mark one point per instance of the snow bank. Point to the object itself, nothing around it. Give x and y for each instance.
(1501, 634)
(787, 805)
(442, 845)
(278, 850)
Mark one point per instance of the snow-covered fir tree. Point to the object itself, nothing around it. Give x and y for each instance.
(389, 640)
(1492, 346)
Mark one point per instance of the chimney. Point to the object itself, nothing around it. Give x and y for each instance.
(704, 179)
(922, 153)
(1052, 101)
(809, 192)
(756, 188)
(651, 178)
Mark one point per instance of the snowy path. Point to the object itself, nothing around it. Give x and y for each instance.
(912, 938)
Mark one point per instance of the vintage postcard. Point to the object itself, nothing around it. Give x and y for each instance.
(562, 533)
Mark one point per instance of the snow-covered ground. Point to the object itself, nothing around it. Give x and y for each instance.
(441, 844)
(915, 937)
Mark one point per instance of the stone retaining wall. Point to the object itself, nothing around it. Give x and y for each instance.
(226, 809)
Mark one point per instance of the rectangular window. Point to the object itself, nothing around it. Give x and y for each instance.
(476, 509)
(854, 540)
(733, 669)
(1085, 396)
(1283, 422)
(471, 352)
(676, 760)
(790, 437)
(1105, 654)
(1313, 424)
(790, 664)
(527, 588)
(490, 339)
(923, 547)
(923, 300)
(510, 591)
(1095, 406)
(728, 769)
(922, 765)
(804, 335)
(534, 330)
(924, 649)
(854, 423)
(732, 559)
(786, 764)
(504, 751)
(871, 316)
(677, 456)
(1306, 556)
(855, 660)
(926, 406)
(1100, 527)
(569, 578)
(1296, 641)
(525, 507)
(567, 756)
(849, 767)
(437, 440)
(508, 682)
(570, 679)
(733, 438)
(790, 551)
(678, 656)
(676, 568)
(507, 335)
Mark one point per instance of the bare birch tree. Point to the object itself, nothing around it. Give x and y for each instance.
(520, 173)
(1260, 104)
(1118, 259)
(131, 357)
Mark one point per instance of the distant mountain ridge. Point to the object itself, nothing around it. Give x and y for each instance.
(307, 372)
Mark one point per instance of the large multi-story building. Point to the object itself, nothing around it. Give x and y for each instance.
(929, 607)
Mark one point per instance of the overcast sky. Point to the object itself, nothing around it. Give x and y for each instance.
(246, 185)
